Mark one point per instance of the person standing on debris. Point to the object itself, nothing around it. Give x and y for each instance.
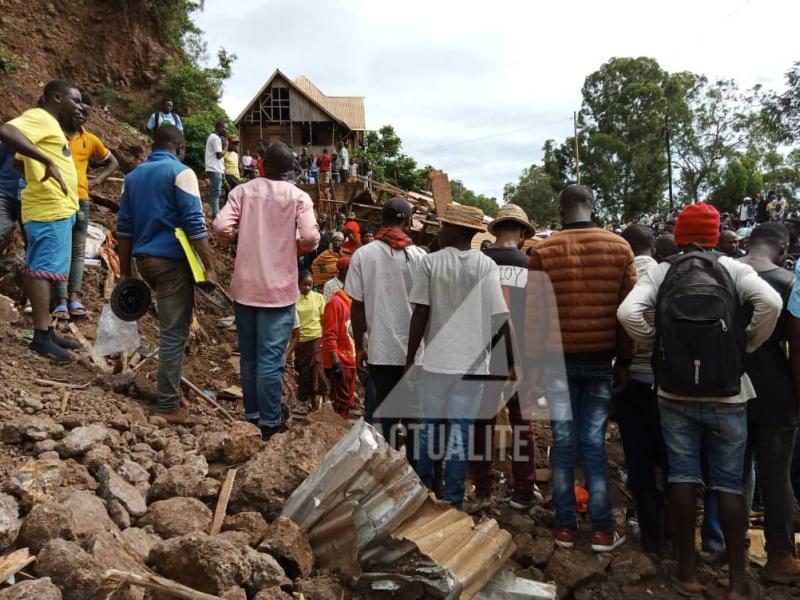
(216, 146)
(459, 306)
(264, 283)
(308, 354)
(324, 162)
(511, 228)
(344, 163)
(305, 163)
(85, 147)
(231, 160)
(11, 184)
(160, 195)
(591, 271)
(49, 204)
(379, 281)
(338, 354)
(324, 265)
(165, 116)
(702, 383)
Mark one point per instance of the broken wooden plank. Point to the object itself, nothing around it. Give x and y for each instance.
(146, 360)
(11, 564)
(108, 285)
(64, 401)
(114, 579)
(88, 347)
(208, 399)
(63, 384)
(222, 503)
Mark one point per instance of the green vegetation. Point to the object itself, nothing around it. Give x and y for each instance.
(10, 62)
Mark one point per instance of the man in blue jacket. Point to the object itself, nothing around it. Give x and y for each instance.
(160, 195)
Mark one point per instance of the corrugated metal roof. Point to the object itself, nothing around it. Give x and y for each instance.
(348, 109)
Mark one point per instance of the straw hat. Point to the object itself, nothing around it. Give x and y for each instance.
(468, 217)
(512, 212)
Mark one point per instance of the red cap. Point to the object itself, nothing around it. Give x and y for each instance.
(698, 224)
(343, 263)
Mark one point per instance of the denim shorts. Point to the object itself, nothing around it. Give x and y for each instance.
(722, 431)
(49, 251)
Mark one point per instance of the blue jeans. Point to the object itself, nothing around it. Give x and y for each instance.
(263, 337)
(79, 232)
(579, 417)
(215, 180)
(449, 407)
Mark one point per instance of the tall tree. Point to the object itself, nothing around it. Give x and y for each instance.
(463, 195)
(536, 193)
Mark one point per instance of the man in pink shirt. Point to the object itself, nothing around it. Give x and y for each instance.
(273, 223)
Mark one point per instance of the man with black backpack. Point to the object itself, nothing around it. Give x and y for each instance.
(699, 343)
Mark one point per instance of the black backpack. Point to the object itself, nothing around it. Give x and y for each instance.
(700, 341)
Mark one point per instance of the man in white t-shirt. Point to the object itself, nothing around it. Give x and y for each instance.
(344, 162)
(378, 281)
(459, 306)
(216, 145)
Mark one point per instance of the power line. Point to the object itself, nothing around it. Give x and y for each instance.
(736, 10)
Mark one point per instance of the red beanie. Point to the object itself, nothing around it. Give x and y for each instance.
(698, 224)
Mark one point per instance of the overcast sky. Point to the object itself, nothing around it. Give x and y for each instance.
(475, 88)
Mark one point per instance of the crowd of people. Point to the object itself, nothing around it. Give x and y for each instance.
(683, 334)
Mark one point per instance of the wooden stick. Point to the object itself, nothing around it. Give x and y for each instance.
(209, 399)
(15, 562)
(64, 401)
(87, 345)
(108, 285)
(123, 362)
(146, 360)
(62, 384)
(222, 502)
(151, 581)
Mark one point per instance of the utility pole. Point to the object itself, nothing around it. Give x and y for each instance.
(669, 163)
(577, 153)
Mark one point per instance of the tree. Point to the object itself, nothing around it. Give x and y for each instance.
(739, 178)
(382, 149)
(536, 193)
(463, 195)
(781, 112)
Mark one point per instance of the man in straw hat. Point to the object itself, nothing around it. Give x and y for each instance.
(511, 228)
(459, 305)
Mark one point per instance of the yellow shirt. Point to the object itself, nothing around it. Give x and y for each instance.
(84, 147)
(310, 309)
(231, 159)
(43, 200)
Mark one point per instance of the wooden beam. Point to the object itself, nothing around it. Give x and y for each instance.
(10, 564)
(114, 580)
(222, 502)
(208, 399)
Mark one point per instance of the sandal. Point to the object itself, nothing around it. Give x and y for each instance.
(76, 309)
(61, 312)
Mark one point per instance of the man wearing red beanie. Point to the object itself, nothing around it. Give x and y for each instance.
(699, 340)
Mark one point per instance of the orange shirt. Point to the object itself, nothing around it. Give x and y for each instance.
(85, 146)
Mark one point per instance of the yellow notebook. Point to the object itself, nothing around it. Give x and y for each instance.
(198, 270)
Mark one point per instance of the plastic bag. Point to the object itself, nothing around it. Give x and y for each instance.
(95, 236)
(114, 335)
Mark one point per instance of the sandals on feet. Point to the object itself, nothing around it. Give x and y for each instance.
(61, 312)
(76, 309)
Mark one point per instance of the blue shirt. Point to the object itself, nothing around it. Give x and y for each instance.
(794, 299)
(11, 180)
(158, 196)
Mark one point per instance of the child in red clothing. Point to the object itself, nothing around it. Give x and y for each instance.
(338, 352)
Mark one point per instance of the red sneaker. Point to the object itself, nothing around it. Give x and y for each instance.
(565, 538)
(606, 541)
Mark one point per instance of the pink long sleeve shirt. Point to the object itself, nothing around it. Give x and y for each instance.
(276, 223)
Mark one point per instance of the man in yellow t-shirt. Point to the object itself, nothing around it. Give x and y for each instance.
(49, 204)
(231, 161)
(85, 147)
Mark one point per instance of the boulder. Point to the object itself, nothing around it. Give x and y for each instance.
(118, 514)
(237, 538)
(72, 569)
(251, 523)
(81, 439)
(273, 593)
(532, 549)
(242, 444)
(183, 480)
(9, 521)
(29, 427)
(201, 562)
(133, 472)
(211, 445)
(35, 589)
(570, 568)
(140, 541)
(36, 480)
(175, 517)
(75, 475)
(111, 551)
(288, 543)
(265, 572)
(114, 487)
(630, 567)
(324, 587)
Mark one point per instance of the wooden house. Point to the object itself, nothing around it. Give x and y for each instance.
(298, 113)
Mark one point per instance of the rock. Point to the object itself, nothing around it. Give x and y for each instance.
(251, 523)
(183, 480)
(140, 540)
(44, 523)
(81, 439)
(36, 481)
(242, 444)
(542, 516)
(29, 427)
(630, 567)
(570, 568)
(132, 472)
(172, 453)
(236, 593)
(288, 543)
(516, 521)
(110, 551)
(325, 587)
(204, 563)
(114, 487)
(273, 593)
(98, 456)
(118, 514)
(75, 475)
(175, 517)
(265, 482)
(237, 538)
(9, 521)
(72, 569)
(604, 590)
(266, 572)
(32, 402)
(211, 445)
(533, 550)
(44, 446)
(197, 462)
(35, 589)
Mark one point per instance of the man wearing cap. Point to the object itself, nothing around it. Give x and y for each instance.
(378, 281)
(324, 266)
(511, 228)
(720, 423)
(338, 353)
(275, 223)
(591, 271)
(458, 309)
